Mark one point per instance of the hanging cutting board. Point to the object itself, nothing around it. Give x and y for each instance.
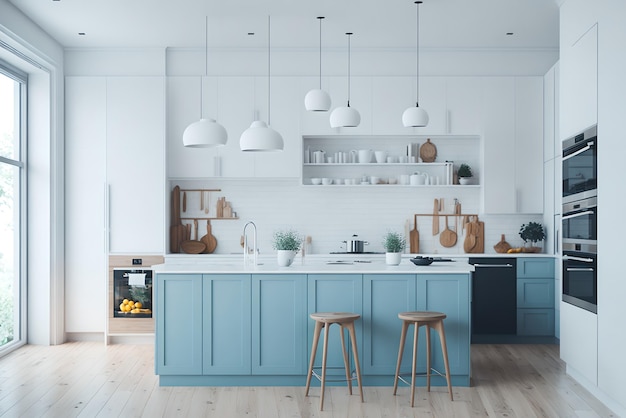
(436, 217)
(414, 238)
(477, 229)
(428, 151)
(175, 221)
(209, 240)
(448, 237)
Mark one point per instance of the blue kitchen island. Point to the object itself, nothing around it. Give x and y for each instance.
(230, 325)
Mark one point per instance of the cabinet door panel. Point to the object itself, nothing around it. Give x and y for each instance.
(535, 293)
(85, 179)
(183, 108)
(535, 267)
(448, 294)
(226, 324)
(498, 114)
(391, 96)
(463, 97)
(236, 98)
(136, 163)
(384, 297)
(535, 322)
(334, 293)
(279, 324)
(179, 324)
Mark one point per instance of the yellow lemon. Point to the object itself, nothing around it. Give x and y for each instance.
(125, 301)
(138, 305)
(122, 307)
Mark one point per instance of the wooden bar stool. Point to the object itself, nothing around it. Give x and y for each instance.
(430, 320)
(325, 320)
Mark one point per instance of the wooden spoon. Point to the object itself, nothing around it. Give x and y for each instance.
(436, 217)
(448, 237)
(470, 238)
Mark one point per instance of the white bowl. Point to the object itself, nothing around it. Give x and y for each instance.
(316, 181)
(327, 181)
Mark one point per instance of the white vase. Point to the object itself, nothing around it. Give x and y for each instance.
(465, 180)
(285, 257)
(393, 259)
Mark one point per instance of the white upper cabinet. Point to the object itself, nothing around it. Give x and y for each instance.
(579, 84)
(463, 98)
(237, 110)
(498, 116)
(135, 131)
(549, 114)
(186, 97)
(285, 98)
(391, 96)
(513, 144)
(529, 144)
(432, 98)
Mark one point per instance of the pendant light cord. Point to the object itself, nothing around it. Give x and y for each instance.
(320, 19)
(349, 34)
(206, 59)
(417, 54)
(268, 69)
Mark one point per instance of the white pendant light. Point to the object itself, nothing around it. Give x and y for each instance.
(345, 116)
(260, 137)
(317, 100)
(205, 132)
(416, 116)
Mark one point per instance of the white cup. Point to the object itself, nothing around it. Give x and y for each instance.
(381, 156)
(390, 160)
(330, 159)
(374, 179)
(326, 181)
(338, 181)
(404, 179)
(404, 159)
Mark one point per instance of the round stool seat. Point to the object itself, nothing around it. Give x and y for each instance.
(335, 317)
(422, 316)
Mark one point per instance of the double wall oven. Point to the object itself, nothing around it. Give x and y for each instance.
(580, 220)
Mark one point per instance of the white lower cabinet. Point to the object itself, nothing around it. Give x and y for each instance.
(579, 341)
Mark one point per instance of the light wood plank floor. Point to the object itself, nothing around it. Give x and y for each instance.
(87, 379)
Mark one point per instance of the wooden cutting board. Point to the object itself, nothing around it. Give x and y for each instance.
(477, 228)
(448, 237)
(414, 238)
(428, 151)
(175, 237)
(209, 240)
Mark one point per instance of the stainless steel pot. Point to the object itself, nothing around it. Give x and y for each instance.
(355, 245)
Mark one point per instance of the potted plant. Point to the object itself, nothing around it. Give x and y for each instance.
(287, 243)
(532, 233)
(464, 173)
(394, 244)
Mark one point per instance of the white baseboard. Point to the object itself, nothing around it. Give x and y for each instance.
(610, 403)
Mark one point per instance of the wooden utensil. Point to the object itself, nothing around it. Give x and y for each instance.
(436, 217)
(201, 201)
(428, 151)
(480, 237)
(470, 238)
(502, 246)
(184, 201)
(207, 203)
(175, 220)
(190, 246)
(209, 240)
(414, 238)
(448, 237)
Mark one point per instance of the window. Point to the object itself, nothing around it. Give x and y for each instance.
(12, 208)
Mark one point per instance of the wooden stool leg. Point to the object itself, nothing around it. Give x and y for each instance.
(444, 348)
(346, 362)
(405, 327)
(355, 352)
(417, 327)
(316, 338)
(428, 365)
(327, 327)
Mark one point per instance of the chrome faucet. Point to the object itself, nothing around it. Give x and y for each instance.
(245, 244)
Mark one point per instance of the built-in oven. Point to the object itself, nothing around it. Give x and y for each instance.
(132, 293)
(580, 284)
(579, 225)
(580, 166)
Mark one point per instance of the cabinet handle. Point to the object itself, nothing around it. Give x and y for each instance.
(580, 269)
(576, 215)
(574, 258)
(493, 265)
(580, 151)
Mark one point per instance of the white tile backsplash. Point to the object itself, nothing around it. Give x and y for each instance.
(332, 214)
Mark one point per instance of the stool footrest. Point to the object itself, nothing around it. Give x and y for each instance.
(319, 376)
(433, 372)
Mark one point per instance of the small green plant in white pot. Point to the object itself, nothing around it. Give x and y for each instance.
(532, 233)
(287, 243)
(465, 174)
(394, 244)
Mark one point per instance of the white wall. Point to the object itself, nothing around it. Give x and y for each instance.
(44, 64)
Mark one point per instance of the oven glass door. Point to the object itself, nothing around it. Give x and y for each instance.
(580, 280)
(580, 169)
(580, 225)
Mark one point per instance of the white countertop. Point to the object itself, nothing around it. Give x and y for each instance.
(327, 264)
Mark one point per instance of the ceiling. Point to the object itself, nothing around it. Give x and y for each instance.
(375, 23)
